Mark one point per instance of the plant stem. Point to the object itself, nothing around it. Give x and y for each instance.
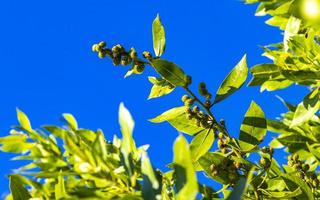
(219, 126)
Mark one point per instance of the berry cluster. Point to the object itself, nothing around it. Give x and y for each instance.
(304, 171)
(267, 154)
(227, 166)
(223, 142)
(119, 55)
(202, 119)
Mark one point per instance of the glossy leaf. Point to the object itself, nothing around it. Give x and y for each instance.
(160, 87)
(253, 128)
(294, 182)
(151, 186)
(306, 109)
(159, 37)
(233, 81)
(186, 179)
(170, 71)
(18, 191)
(71, 121)
(178, 119)
(24, 121)
(201, 144)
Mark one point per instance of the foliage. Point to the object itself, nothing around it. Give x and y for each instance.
(69, 162)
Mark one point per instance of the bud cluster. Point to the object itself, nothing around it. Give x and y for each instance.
(227, 166)
(201, 118)
(304, 170)
(223, 142)
(204, 92)
(119, 55)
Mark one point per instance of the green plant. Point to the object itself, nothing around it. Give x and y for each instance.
(87, 166)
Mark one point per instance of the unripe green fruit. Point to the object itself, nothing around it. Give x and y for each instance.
(133, 54)
(296, 157)
(189, 102)
(147, 55)
(220, 135)
(195, 109)
(263, 162)
(125, 60)
(290, 163)
(315, 183)
(224, 150)
(95, 48)
(305, 167)
(185, 98)
(102, 54)
(140, 68)
(102, 44)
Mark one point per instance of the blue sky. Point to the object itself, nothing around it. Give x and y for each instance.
(47, 67)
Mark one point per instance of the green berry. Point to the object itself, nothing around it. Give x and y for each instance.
(147, 55)
(185, 98)
(189, 102)
(133, 54)
(263, 162)
(195, 109)
(102, 44)
(220, 135)
(296, 157)
(95, 48)
(102, 54)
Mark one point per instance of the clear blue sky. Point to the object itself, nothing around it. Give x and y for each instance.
(47, 67)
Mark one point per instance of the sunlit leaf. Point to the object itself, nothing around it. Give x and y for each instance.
(159, 36)
(233, 81)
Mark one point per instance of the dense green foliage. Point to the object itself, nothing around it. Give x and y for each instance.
(73, 163)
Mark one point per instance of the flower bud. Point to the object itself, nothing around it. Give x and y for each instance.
(147, 55)
(189, 102)
(220, 135)
(95, 48)
(102, 44)
(207, 103)
(185, 98)
(195, 109)
(296, 157)
(133, 54)
(101, 54)
(125, 60)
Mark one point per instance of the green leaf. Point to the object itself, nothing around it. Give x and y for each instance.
(233, 81)
(17, 190)
(60, 189)
(170, 71)
(170, 114)
(306, 109)
(158, 36)
(24, 121)
(15, 143)
(128, 146)
(291, 30)
(151, 187)
(253, 128)
(201, 144)
(294, 182)
(71, 121)
(186, 179)
(238, 190)
(282, 194)
(160, 87)
(178, 119)
(217, 159)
